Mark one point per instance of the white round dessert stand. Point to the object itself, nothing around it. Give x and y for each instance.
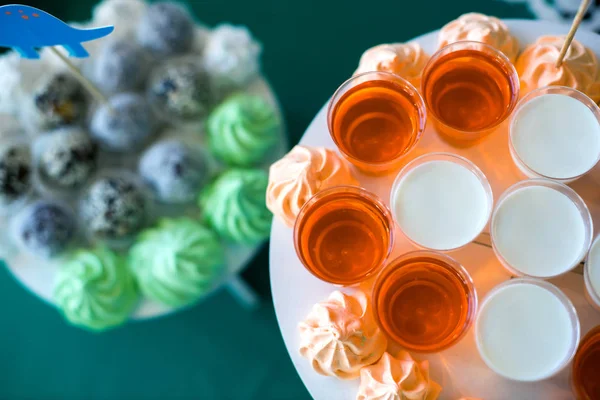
(459, 370)
(38, 275)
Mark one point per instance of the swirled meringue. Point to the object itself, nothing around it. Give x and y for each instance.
(234, 206)
(403, 59)
(340, 336)
(176, 262)
(243, 129)
(95, 289)
(480, 28)
(579, 70)
(299, 175)
(397, 379)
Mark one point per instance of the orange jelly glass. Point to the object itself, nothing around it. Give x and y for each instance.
(585, 374)
(343, 235)
(424, 301)
(375, 119)
(469, 88)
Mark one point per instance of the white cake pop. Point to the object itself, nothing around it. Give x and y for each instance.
(232, 56)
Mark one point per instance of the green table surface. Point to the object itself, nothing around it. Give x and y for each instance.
(217, 349)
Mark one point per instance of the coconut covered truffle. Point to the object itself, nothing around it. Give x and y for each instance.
(177, 262)
(58, 99)
(68, 158)
(231, 56)
(45, 228)
(15, 172)
(94, 289)
(234, 206)
(126, 125)
(166, 29)
(243, 129)
(10, 79)
(124, 14)
(114, 207)
(174, 171)
(180, 89)
(121, 66)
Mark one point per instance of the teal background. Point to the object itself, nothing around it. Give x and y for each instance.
(217, 349)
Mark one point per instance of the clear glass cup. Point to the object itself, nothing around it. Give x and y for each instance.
(449, 218)
(375, 119)
(424, 301)
(591, 272)
(572, 196)
(343, 235)
(524, 102)
(469, 89)
(564, 301)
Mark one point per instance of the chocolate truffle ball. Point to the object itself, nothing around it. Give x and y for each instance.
(126, 125)
(180, 89)
(58, 99)
(114, 208)
(174, 172)
(166, 29)
(68, 158)
(15, 172)
(46, 228)
(121, 66)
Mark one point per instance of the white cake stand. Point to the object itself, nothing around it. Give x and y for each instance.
(38, 275)
(459, 369)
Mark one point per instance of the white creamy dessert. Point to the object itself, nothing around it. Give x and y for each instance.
(539, 231)
(555, 136)
(441, 204)
(592, 274)
(525, 331)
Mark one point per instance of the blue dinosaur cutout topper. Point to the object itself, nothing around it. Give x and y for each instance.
(26, 28)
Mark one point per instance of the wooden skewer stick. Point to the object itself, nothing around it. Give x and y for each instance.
(84, 81)
(576, 22)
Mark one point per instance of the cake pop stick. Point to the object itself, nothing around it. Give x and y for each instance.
(82, 79)
(576, 22)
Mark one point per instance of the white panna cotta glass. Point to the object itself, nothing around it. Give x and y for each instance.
(441, 201)
(591, 274)
(527, 330)
(555, 134)
(540, 228)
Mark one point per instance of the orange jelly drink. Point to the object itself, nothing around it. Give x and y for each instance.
(424, 301)
(375, 119)
(469, 89)
(343, 235)
(586, 367)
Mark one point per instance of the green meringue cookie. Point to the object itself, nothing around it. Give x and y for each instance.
(242, 130)
(235, 206)
(177, 262)
(95, 289)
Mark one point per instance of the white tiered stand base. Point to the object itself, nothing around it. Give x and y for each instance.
(459, 370)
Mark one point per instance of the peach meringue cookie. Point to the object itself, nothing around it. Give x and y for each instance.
(404, 59)
(340, 336)
(299, 175)
(579, 70)
(397, 379)
(480, 28)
